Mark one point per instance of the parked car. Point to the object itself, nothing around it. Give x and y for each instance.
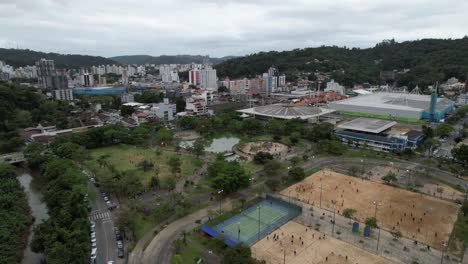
(106, 199)
(93, 240)
(93, 225)
(94, 245)
(93, 234)
(120, 253)
(93, 253)
(119, 244)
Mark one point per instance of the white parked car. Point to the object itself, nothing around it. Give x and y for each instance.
(93, 234)
(93, 240)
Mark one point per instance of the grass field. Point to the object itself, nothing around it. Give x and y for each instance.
(402, 119)
(126, 157)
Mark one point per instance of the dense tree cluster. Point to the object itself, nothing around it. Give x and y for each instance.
(108, 135)
(231, 122)
(15, 216)
(429, 60)
(147, 97)
(238, 255)
(228, 176)
(23, 107)
(64, 237)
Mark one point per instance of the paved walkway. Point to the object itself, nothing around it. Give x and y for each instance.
(161, 247)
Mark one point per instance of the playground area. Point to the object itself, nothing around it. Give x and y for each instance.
(294, 243)
(418, 217)
(257, 221)
(274, 148)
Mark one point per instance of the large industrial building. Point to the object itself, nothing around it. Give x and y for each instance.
(398, 105)
(378, 134)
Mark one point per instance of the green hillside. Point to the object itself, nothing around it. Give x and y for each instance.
(429, 60)
(166, 59)
(23, 57)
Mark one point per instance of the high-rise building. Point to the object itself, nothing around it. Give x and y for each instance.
(208, 79)
(256, 86)
(49, 77)
(45, 73)
(194, 77)
(87, 80)
(63, 94)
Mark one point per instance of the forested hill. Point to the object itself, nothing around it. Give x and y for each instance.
(23, 57)
(166, 59)
(429, 60)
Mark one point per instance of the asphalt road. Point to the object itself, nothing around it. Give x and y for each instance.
(105, 235)
(160, 249)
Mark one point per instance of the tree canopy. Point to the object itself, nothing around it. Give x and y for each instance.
(429, 60)
(228, 176)
(14, 214)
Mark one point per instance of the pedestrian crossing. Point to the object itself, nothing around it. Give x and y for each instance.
(99, 215)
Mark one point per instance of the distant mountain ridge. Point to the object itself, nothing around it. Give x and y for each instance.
(24, 57)
(428, 61)
(167, 59)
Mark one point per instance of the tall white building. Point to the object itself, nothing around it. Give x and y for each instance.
(63, 94)
(208, 79)
(168, 74)
(194, 77)
(86, 80)
(335, 87)
(165, 111)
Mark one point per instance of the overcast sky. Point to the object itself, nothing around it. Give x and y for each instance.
(221, 27)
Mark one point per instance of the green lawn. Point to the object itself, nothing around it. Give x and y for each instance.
(187, 252)
(127, 157)
(402, 119)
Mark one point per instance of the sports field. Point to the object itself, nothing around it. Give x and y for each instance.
(257, 221)
(249, 224)
(294, 243)
(417, 216)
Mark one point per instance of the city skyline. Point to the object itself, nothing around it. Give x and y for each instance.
(221, 28)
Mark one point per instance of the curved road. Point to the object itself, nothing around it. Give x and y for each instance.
(160, 249)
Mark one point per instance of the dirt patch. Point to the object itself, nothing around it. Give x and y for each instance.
(274, 148)
(416, 216)
(299, 244)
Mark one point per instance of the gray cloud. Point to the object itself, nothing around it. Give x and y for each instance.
(221, 27)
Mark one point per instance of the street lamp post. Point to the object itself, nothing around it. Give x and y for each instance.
(407, 178)
(333, 226)
(258, 233)
(321, 188)
(375, 217)
(219, 193)
(443, 252)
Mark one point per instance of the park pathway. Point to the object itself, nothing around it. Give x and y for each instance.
(161, 247)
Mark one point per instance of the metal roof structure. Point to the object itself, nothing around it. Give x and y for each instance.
(370, 125)
(286, 111)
